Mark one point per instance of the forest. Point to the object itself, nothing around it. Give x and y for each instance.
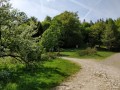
(29, 41)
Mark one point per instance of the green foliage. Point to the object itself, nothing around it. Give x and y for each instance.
(44, 77)
(69, 25)
(44, 57)
(5, 76)
(46, 23)
(100, 55)
(110, 34)
(11, 86)
(16, 40)
(52, 55)
(50, 38)
(48, 56)
(88, 51)
(96, 32)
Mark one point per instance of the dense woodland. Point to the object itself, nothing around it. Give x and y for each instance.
(103, 33)
(26, 38)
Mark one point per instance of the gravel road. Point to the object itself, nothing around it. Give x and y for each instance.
(94, 75)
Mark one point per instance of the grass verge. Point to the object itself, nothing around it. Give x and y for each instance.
(100, 55)
(14, 76)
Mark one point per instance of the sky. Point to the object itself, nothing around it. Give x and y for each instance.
(87, 9)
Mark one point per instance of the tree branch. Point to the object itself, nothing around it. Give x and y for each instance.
(11, 55)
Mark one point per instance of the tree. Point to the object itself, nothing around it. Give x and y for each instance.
(117, 23)
(46, 23)
(96, 33)
(4, 18)
(39, 29)
(50, 38)
(110, 34)
(117, 44)
(48, 18)
(85, 30)
(16, 40)
(4, 13)
(70, 29)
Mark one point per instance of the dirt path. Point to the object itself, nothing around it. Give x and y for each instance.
(113, 60)
(94, 76)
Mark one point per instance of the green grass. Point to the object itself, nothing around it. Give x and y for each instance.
(100, 55)
(14, 76)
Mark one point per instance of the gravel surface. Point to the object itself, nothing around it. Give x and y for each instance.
(94, 75)
(113, 60)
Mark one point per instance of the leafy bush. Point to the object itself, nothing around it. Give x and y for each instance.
(52, 55)
(5, 75)
(44, 57)
(48, 56)
(88, 51)
(49, 39)
(11, 86)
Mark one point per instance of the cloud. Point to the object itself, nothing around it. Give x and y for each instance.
(80, 4)
(46, 11)
(92, 9)
(87, 9)
(50, 0)
(34, 8)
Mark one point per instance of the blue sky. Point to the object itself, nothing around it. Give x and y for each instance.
(87, 9)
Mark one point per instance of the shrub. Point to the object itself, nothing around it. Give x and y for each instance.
(88, 51)
(52, 55)
(5, 75)
(11, 86)
(48, 56)
(44, 57)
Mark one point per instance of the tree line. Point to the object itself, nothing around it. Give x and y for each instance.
(73, 32)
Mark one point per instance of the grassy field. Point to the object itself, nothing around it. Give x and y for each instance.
(100, 55)
(14, 76)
